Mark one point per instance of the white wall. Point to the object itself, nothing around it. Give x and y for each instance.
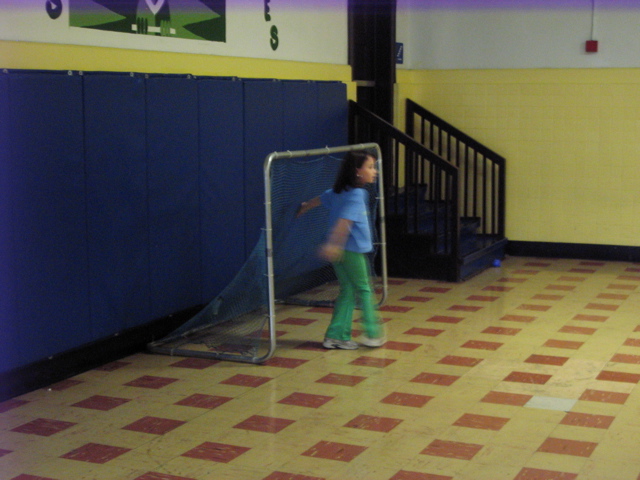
(307, 30)
(494, 34)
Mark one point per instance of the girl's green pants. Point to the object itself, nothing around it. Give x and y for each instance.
(352, 271)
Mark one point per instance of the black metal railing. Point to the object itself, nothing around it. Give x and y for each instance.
(421, 187)
(482, 171)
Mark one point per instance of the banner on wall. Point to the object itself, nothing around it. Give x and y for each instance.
(299, 30)
(194, 19)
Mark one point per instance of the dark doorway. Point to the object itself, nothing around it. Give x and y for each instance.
(372, 39)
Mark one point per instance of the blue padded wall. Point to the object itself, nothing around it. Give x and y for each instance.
(300, 116)
(333, 113)
(125, 198)
(174, 210)
(221, 182)
(45, 308)
(7, 340)
(263, 134)
(117, 196)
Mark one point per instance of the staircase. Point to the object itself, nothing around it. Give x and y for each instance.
(444, 195)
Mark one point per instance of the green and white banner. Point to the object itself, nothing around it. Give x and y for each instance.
(300, 30)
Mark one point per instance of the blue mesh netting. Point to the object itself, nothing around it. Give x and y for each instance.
(234, 320)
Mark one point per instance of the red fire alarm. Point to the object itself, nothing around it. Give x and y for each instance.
(591, 46)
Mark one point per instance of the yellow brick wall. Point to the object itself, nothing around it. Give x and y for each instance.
(571, 138)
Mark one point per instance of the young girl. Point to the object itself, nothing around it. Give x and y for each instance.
(347, 245)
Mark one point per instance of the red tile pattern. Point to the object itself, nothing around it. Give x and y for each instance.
(415, 298)
(526, 377)
(534, 307)
(216, 452)
(161, 476)
(604, 396)
(374, 424)
(502, 331)
(619, 376)
(289, 476)
(482, 298)
(482, 345)
(564, 288)
(435, 379)
(553, 298)
(242, 380)
(407, 475)
(340, 379)
(587, 420)
(403, 394)
(373, 362)
(199, 400)
(568, 344)
(30, 477)
(43, 427)
(395, 309)
(435, 289)
(444, 319)
(563, 446)
(518, 318)
(538, 474)
(590, 318)
(284, 362)
(426, 332)
(465, 308)
(459, 450)
(112, 366)
(154, 425)
(297, 321)
(578, 330)
(601, 306)
(401, 346)
(483, 422)
(334, 451)
(406, 399)
(307, 400)
(260, 423)
(101, 402)
(547, 360)
(65, 385)
(11, 404)
(95, 453)
(497, 288)
(503, 398)
(625, 358)
(195, 363)
(149, 381)
(460, 361)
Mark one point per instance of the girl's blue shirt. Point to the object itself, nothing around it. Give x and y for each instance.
(351, 205)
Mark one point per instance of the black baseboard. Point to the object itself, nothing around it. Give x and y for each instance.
(574, 250)
(73, 362)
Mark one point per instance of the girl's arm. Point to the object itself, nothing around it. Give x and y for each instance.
(332, 250)
(308, 205)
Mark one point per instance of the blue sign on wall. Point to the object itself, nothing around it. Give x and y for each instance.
(399, 52)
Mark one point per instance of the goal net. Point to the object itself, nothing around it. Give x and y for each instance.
(283, 268)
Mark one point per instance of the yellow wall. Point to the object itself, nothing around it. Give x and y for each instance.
(72, 57)
(571, 138)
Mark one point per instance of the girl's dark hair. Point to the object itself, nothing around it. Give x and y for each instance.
(347, 178)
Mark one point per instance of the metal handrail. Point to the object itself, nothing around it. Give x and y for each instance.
(483, 171)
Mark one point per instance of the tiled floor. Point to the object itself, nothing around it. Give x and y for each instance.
(526, 372)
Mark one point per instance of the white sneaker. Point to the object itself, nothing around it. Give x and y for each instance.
(372, 342)
(340, 344)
